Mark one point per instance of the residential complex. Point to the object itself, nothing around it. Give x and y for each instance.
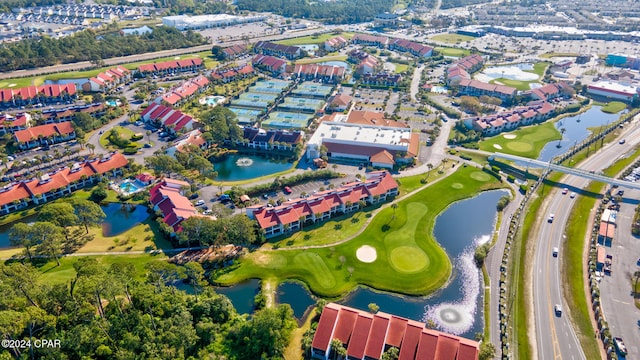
(170, 119)
(184, 92)
(58, 183)
(107, 80)
(287, 51)
(43, 94)
(167, 198)
(512, 119)
(168, 67)
(368, 336)
(44, 135)
(379, 186)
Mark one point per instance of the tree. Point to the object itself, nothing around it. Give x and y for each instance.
(487, 351)
(394, 206)
(339, 352)
(391, 354)
(265, 336)
(60, 214)
(374, 308)
(163, 164)
(89, 213)
(194, 274)
(50, 238)
(20, 235)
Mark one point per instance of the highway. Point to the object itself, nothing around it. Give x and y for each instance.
(555, 336)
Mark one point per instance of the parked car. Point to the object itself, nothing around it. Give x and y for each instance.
(287, 190)
(200, 202)
(622, 348)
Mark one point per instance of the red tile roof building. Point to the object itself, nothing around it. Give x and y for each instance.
(479, 88)
(184, 92)
(167, 197)
(58, 183)
(50, 116)
(327, 73)
(411, 47)
(167, 67)
(365, 39)
(366, 336)
(43, 135)
(12, 123)
(171, 120)
(271, 64)
(335, 43)
(227, 74)
(44, 94)
(287, 51)
(379, 186)
(107, 80)
(234, 51)
(512, 119)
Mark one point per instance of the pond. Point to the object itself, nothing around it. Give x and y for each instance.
(576, 130)
(236, 167)
(296, 295)
(120, 218)
(337, 63)
(78, 82)
(513, 72)
(456, 308)
(309, 48)
(241, 294)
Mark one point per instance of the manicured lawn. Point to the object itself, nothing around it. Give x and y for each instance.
(21, 82)
(528, 141)
(322, 59)
(124, 133)
(452, 38)
(614, 107)
(447, 51)
(539, 68)
(53, 274)
(409, 260)
(142, 237)
(518, 84)
(312, 39)
(550, 55)
(400, 68)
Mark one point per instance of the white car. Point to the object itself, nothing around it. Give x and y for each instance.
(572, 195)
(200, 202)
(555, 252)
(551, 217)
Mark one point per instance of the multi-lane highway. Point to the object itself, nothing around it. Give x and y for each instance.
(555, 336)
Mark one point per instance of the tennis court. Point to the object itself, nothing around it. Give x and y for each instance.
(301, 104)
(287, 120)
(311, 89)
(269, 87)
(254, 100)
(245, 116)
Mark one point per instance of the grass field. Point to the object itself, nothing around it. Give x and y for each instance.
(400, 68)
(409, 260)
(550, 55)
(451, 38)
(539, 68)
(123, 131)
(322, 59)
(313, 39)
(614, 107)
(528, 141)
(447, 51)
(518, 84)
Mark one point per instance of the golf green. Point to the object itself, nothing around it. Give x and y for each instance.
(519, 146)
(457, 186)
(408, 259)
(316, 267)
(480, 176)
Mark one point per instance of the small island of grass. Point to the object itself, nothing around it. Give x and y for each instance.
(613, 107)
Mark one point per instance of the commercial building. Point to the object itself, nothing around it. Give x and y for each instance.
(379, 186)
(58, 183)
(367, 336)
(184, 22)
(614, 90)
(378, 146)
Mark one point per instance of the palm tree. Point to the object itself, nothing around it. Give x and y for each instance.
(562, 131)
(339, 352)
(394, 206)
(91, 148)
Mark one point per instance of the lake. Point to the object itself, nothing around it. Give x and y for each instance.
(236, 167)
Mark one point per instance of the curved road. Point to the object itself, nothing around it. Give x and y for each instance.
(555, 336)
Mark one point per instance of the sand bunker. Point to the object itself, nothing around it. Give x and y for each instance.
(12, 85)
(497, 146)
(509, 136)
(366, 254)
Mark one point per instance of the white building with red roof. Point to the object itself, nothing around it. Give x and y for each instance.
(43, 135)
(335, 43)
(192, 138)
(614, 90)
(379, 186)
(167, 197)
(512, 119)
(168, 67)
(107, 80)
(414, 48)
(479, 88)
(173, 121)
(58, 183)
(184, 91)
(327, 73)
(43, 94)
(367, 336)
(373, 40)
(12, 123)
(271, 64)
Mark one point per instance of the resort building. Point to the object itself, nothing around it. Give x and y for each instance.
(371, 40)
(256, 138)
(233, 73)
(335, 43)
(375, 145)
(235, 51)
(192, 138)
(364, 117)
(340, 102)
(44, 135)
(287, 51)
(43, 94)
(461, 69)
(107, 80)
(275, 66)
(50, 116)
(411, 47)
(171, 67)
(479, 88)
(381, 79)
(184, 92)
(367, 336)
(167, 198)
(9, 124)
(184, 22)
(512, 119)
(379, 186)
(549, 92)
(58, 183)
(171, 120)
(614, 90)
(331, 74)
(386, 20)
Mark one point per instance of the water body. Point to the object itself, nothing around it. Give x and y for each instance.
(78, 82)
(456, 308)
(513, 72)
(576, 130)
(296, 295)
(119, 219)
(337, 63)
(242, 167)
(241, 294)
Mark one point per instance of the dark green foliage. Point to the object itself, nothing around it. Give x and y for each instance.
(6, 6)
(279, 183)
(335, 12)
(236, 229)
(98, 194)
(503, 202)
(480, 254)
(85, 46)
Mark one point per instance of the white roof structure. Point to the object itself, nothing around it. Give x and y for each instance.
(615, 87)
(339, 132)
(207, 21)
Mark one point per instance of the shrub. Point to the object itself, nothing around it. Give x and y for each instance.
(131, 150)
(136, 137)
(511, 178)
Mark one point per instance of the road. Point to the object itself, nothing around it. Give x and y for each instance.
(555, 336)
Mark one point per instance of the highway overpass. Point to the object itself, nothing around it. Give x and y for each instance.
(567, 170)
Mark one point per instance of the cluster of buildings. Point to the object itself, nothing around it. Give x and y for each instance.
(93, 11)
(364, 137)
(58, 183)
(184, 91)
(167, 198)
(257, 138)
(370, 40)
(171, 67)
(235, 51)
(512, 119)
(378, 187)
(271, 64)
(43, 94)
(335, 43)
(107, 80)
(414, 48)
(368, 336)
(231, 73)
(290, 52)
(479, 88)
(331, 74)
(463, 68)
(173, 121)
(366, 63)
(44, 135)
(185, 22)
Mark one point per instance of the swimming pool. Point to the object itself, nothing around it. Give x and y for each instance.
(130, 187)
(212, 100)
(113, 103)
